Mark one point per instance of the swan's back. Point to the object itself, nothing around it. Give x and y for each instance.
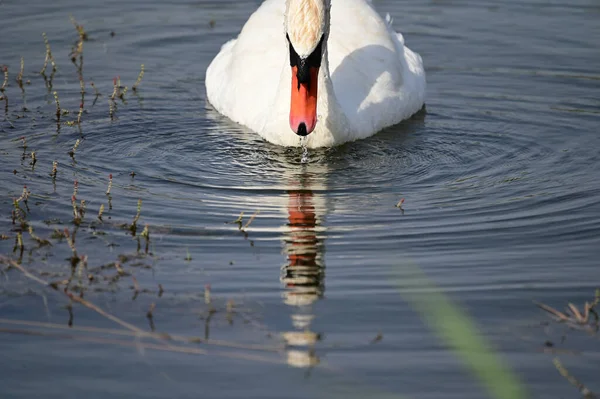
(377, 80)
(242, 80)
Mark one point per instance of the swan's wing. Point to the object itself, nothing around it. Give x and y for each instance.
(241, 82)
(377, 80)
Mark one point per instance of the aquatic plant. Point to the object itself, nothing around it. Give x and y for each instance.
(58, 109)
(74, 149)
(20, 74)
(109, 184)
(49, 57)
(5, 83)
(112, 105)
(96, 93)
(54, 170)
(139, 79)
(101, 212)
(133, 226)
(574, 318)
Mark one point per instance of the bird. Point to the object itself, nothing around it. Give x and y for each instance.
(316, 73)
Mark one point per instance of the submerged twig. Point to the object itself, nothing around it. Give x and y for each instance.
(587, 394)
(19, 267)
(131, 330)
(146, 345)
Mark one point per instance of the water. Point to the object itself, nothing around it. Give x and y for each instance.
(500, 177)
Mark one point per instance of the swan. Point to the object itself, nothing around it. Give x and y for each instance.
(330, 71)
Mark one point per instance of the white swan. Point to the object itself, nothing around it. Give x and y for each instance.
(331, 70)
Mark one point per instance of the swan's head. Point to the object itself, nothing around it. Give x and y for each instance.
(307, 28)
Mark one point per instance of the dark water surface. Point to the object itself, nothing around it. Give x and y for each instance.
(501, 180)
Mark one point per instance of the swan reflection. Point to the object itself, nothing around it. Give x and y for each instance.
(303, 206)
(303, 274)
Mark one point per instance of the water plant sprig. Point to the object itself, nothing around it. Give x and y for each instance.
(101, 212)
(5, 70)
(71, 242)
(145, 235)
(76, 216)
(58, 110)
(74, 149)
(20, 74)
(109, 184)
(133, 226)
(79, 114)
(118, 87)
(49, 57)
(82, 89)
(24, 197)
(77, 51)
(139, 79)
(96, 93)
(19, 242)
(83, 36)
(42, 242)
(54, 170)
(18, 214)
(112, 105)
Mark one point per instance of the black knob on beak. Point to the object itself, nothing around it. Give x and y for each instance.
(302, 130)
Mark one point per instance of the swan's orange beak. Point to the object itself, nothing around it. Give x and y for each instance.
(303, 108)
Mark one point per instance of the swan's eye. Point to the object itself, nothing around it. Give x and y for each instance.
(303, 65)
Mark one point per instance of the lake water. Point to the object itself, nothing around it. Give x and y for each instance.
(316, 297)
